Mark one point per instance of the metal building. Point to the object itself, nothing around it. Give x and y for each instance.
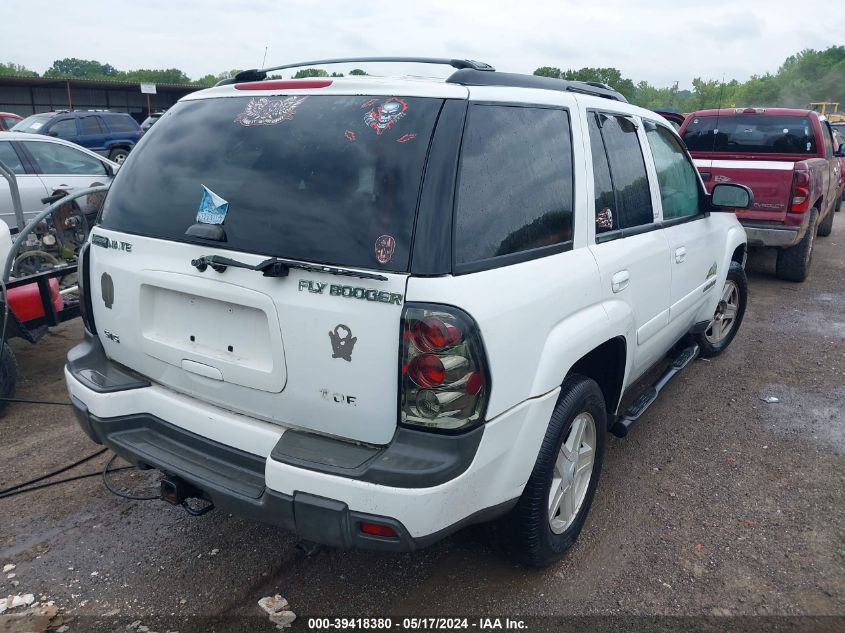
(30, 95)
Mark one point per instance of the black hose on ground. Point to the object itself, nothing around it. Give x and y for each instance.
(60, 481)
(58, 471)
(121, 494)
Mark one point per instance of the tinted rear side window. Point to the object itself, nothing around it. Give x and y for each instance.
(606, 211)
(632, 196)
(322, 178)
(751, 134)
(515, 182)
(90, 125)
(122, 124)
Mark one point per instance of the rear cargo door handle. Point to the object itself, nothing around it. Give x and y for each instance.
(619, 281)
(202, 369)
(680, 255)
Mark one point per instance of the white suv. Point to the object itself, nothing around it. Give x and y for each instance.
(373, 311)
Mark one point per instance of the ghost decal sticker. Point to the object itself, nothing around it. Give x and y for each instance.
(385, 246)
(384, 115)
(342, 344)
(267, 111)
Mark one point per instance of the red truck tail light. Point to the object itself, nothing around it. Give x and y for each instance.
(443, 369)
(800, 196)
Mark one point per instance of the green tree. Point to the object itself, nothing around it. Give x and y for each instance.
(310, 72)
(16, 70)
(548, 71)
(337, 74)
(610, 76)
(81, 69)
(206, 80)
(167, 76)
(357, 71)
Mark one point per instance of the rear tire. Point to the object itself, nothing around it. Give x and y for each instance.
(729, 314)
(794, 262)
(537, 532)
(118, 155)
(8, 375)
(826, 225)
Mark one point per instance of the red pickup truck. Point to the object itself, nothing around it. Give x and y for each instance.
(788, 159)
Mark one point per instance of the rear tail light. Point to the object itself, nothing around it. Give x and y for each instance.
(444, 378)
(800, 192)
(83, 276)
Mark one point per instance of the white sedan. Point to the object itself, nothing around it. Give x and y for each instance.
(45, 165)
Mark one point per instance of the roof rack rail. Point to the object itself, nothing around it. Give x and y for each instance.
(257, 74)
(471, 77)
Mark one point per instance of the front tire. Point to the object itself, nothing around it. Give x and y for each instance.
(794, 262)
(728, 316)
(826, 225)
(554, 504)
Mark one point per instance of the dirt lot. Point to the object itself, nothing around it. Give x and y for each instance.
(717, 504)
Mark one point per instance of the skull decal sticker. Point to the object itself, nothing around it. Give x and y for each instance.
(385, 246)
(267, 111)
(384, 115)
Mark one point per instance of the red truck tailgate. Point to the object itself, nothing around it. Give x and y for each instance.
(770, 180)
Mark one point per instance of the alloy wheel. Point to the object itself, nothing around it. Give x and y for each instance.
(572, 473)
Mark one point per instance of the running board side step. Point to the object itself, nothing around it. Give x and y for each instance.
(647, 397)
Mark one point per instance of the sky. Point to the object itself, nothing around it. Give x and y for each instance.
(661, 42)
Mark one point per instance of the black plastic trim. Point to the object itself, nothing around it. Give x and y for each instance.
(684, 219)
(88, 363)
(700, 327)
(629, 232)
(233, 480)
(86, 309)
(413, 459)
(431, 249)
(472, 77)
(513, 258)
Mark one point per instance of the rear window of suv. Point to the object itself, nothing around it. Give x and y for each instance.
(322, 178)
(751, 134)
(32, 123)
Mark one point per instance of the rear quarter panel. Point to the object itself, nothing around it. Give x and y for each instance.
(536, 319)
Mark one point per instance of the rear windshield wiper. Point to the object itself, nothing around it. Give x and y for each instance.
(277, 267)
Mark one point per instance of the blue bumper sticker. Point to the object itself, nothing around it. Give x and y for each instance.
(212, 209)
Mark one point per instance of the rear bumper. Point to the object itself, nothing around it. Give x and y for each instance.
(775, 234)
(247, 467)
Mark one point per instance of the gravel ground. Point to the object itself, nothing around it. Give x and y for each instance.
(716, 505)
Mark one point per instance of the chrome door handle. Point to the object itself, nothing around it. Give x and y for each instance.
(619, 281)
(680, 255)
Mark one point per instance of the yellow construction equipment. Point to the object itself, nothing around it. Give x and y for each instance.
(829, 109)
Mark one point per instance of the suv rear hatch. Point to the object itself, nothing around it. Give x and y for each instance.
(330, 182)
(753, 149)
